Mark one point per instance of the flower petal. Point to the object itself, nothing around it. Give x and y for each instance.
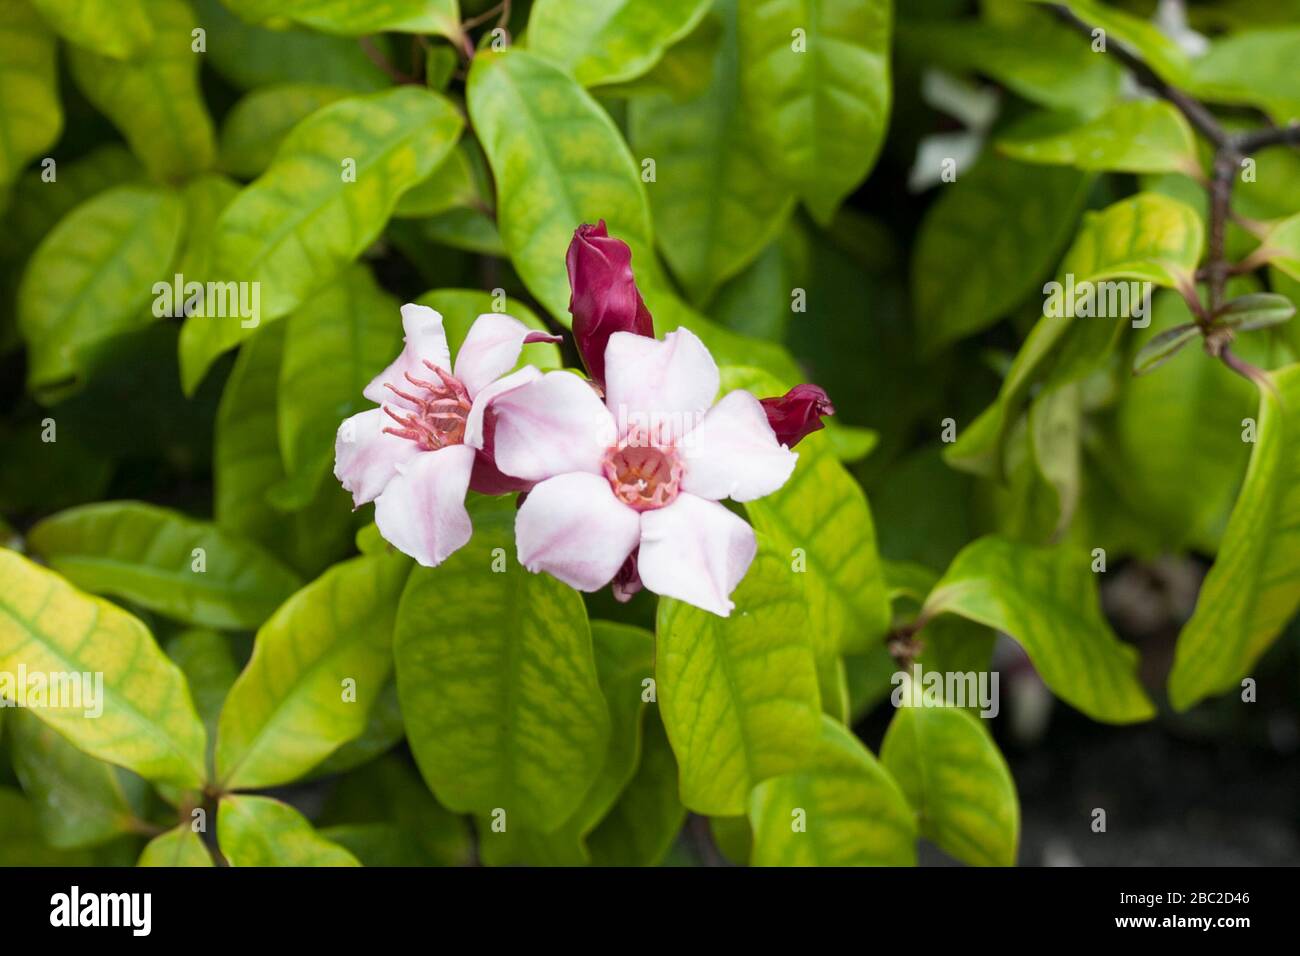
(476, 423)
(667, 385)
(733, 452)
(696, 551)
(422, 511)
(573, 527)
(425, 341)
(366, 457)
(549, 427)
(491, 349)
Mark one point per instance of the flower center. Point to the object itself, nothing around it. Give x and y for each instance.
(439, 414)
(643, 475)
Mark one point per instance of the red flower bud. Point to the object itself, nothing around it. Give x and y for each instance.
(604, 297)
(797, 413)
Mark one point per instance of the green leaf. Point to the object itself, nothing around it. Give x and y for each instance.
(334, 344)
(738, 695)
(1177, 452)
(259, 831)
(1280, 247)
(205, 659)
(297, 226)
(30, 115)
(251, 57)
(358, 17)
(179, 846)
(1159, 349)
(1046, 600)
(384, 729)
(188, 570)
(91, 278)
(36, 208)
(1256, 310)
(317, 668)
(20, 842)
(685, 69)
(126, 30)
(247, 462)
(1253, 589)
(1146, 238)
(1252, 68)
(624, 660)
(1160, 52)
(147, 722)
(460, 308)
(986, 243)
(715, 205)
(559, 161)
(1134, 136)
(453, 185)
(842, 809)
(390, 794)
(957, 782)
(1035, 57)
(79, 801)
(642, 825)
(257, 124)
(499, 687)
(611, 42)
(816, 77)
(828, 533)
(154, 97)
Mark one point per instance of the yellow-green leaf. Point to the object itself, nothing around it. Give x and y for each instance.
(738, 695)
(259, 831)
(154, 97)
(179, 846)
(318, 667)
(842, 809)
(147, 723)
(160, 559)
(1253, 589)
(957, 782)
(1046, 600)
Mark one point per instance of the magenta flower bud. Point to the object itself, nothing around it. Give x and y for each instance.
(604, 297)
(798, 413)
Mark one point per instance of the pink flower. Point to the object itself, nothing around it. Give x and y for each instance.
(603, 295)
(632, 484)
(798, 413)
(430, 440)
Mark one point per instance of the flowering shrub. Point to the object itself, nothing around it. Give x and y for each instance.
(505, 429)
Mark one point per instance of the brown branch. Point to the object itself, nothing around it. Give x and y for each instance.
(378, 59)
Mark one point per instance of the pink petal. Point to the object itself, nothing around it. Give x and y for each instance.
(696, 551)
(366, 457)
(670, 383)
(491, 349)
(573, 527)
(476, 421)
(425, 341)
(733, 453)
(422, 511)
(549, 427)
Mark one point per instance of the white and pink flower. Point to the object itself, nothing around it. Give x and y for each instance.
(429, 441)
(629, 487)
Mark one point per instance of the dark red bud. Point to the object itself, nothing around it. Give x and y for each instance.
(797, 413)
(604, 297)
